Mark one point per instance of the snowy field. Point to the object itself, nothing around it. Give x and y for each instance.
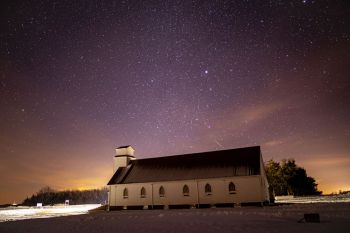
(316, 199)
(20, 213)
(335, 217)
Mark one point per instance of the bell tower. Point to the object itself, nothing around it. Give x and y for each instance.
(123, 156)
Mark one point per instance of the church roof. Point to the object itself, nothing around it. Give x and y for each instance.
(213, 164)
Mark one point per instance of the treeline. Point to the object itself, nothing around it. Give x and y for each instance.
(49, 196)
(344, 192)
(287, 178)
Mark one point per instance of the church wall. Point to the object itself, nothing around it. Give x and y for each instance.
(112, 196)
(173, 193)
(248, 189)
(134, 194)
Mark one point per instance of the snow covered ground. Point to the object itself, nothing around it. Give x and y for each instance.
(315, 199)
(20, 213)
(335, 217)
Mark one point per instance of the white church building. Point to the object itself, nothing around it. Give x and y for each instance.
(215, 178)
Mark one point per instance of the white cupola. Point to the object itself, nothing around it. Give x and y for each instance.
(123, 156)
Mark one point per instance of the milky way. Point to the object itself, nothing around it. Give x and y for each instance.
(79, 78)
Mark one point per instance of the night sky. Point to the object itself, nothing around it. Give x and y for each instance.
(79, 78)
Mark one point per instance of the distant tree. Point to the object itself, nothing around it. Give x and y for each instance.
(278, 185)
(49, 196)
(288, 178)
(46, 189)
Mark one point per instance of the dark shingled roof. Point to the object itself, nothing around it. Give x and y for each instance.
(213, 164)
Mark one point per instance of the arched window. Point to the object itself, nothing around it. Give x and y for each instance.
(207, 189)
(185, 190)
(161, 191)
(143, 192)
(125, 193)
(232, 188)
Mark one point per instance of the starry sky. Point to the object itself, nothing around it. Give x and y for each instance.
(79, 78)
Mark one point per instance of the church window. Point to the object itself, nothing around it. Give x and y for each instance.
(143, 192)
(207, 189)
(232, 188)
(185, 190)
(125, 193)
(161, 191)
